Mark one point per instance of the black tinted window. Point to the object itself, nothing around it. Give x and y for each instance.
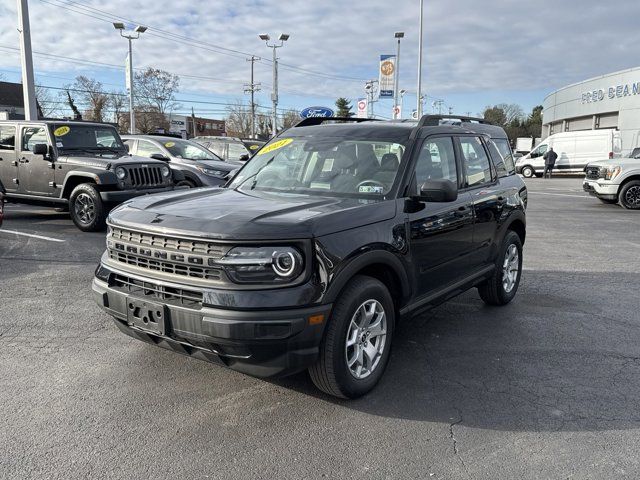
(498, 159)
(7, 137)
(436, 161)
(507, 155)
(476, 161)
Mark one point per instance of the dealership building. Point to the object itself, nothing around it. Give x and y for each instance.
(608, 101)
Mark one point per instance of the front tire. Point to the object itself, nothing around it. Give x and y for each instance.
(86, 208)
(503, 284)
(355, 350)
(186, 183)
(630, 195)
(528, 171)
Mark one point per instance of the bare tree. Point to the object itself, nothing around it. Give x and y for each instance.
(238, 122)
(290, 118)
(148, 120)
(76, 112)
(45, 103)
(511, 111)
(89, 93)
(263, 126)
(156, 88)
(116, 102)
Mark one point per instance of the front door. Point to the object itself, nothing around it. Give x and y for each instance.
(35, 172)
(8, 161)
(441, 233)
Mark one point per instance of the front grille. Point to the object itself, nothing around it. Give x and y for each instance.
(175, 296)
(168, 243)
(173, 268)
(593, 173)
(148, 176)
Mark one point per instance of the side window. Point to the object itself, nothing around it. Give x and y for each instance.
(129, 143)
(31, 136)
(7, 137)
(498, 159)
(218, 148)
(437, 160)
(146, 149)
(476, 162)
(539, 151)
(507, 155)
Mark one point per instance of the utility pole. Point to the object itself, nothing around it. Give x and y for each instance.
(419, 94)
(252, 88)
(193, 122)
(397, 35)
(274, 92)
(28, 82)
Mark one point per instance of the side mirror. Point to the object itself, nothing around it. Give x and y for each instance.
(159, 156)
(244, 157)
(440, 190)
(40, 149)
(127, 148)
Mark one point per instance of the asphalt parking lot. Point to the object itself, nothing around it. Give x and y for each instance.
(547, 387)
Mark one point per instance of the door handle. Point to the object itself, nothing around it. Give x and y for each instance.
(461, 211)
(24, 160)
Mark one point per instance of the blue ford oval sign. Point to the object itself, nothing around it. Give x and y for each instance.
(316, 112)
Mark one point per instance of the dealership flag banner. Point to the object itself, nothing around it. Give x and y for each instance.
(362, 108)
(387, 75)
(127, 69)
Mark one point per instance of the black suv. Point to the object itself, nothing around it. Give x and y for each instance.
(81, 166)
(316, 248)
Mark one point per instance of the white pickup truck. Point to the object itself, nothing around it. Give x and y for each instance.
(615, 181)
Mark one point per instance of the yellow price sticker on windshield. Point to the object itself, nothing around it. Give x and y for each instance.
(275, 146)
(61, 131)
(169, 144)
(253, 147)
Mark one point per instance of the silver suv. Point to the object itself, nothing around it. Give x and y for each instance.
(616, 180)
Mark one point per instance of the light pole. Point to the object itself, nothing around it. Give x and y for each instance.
(402, 92)
(419, 94)
(274, 89)
(26, 61)
(398, 35)
(129, 36)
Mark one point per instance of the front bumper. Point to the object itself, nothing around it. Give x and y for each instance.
(262, 343)
(119, 196)
(605, 191)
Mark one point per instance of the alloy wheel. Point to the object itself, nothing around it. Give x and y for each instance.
(632, 196)
(366, 339)
(510, 268)
(85, 208)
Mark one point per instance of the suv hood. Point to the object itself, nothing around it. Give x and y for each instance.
(222, 213)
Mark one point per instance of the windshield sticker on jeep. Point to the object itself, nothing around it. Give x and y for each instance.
(275, 146)
(370, 189)
(253, 147)
(169, 144)
(61, 131)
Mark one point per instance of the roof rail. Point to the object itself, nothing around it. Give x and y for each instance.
(434, 120)
(306, 122)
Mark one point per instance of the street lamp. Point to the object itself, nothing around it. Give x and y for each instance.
(274, 89)
(397, 35)
(419, 92)
(129, 36)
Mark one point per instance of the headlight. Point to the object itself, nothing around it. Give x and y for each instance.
(611, 172)
(165, 171)
(212, 172)
(121, 173)
(271, 264)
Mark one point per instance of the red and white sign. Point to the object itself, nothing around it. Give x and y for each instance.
(362, 108)
(397, 112)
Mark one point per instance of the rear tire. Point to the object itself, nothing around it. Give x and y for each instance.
(630, 195)
(528, 171)
(352, 359)
(503, 284)
(86, 208)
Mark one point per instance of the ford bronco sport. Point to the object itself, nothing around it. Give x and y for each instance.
(322, 241)
(81, 166)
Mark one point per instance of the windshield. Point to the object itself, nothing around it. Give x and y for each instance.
(189, 150)
(328, 166)
(236, 150)
(91, 138)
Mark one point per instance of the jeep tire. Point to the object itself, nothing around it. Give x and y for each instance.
(86, 208)
(630, 195)
(503, 284)
(186, 183)
(355, 349)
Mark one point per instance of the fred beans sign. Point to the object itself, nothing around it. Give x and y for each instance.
(619, 91)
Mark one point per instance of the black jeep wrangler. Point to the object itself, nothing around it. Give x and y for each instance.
(82, 166)
(321, 242)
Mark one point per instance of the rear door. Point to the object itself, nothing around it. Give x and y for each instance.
(35, 173)
(441, 233)
(8, 160)
(481, 182)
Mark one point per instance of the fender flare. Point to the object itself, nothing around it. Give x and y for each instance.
(357, 263)
(99, 178)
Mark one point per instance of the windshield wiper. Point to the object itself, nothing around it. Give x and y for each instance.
(253, 185)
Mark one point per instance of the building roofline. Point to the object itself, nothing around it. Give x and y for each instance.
(619, 72)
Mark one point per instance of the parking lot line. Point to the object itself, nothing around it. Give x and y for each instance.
(558, 194)
(40, 237)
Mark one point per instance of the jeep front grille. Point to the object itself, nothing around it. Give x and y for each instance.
(149, 176)
(176, 296)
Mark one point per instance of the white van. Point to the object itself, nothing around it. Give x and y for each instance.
(575, 150)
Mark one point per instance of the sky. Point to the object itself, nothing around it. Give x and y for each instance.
(476, 52)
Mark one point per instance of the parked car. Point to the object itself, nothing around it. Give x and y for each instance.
(199, 166)
(321, 242)
(230, 149)
(575, 150)
(615, 181)
(253, 145)
(81, 166)
(2, 194)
